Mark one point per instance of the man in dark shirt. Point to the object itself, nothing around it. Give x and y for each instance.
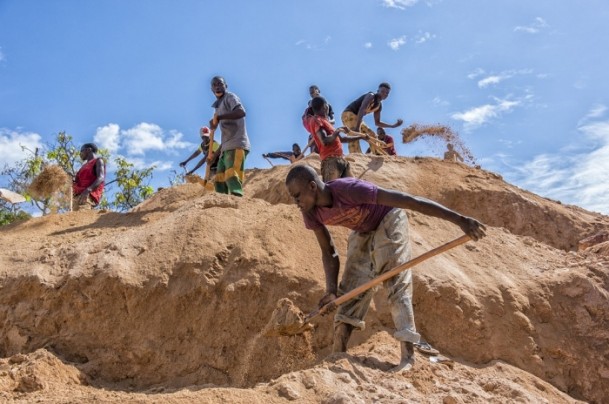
(370, 102)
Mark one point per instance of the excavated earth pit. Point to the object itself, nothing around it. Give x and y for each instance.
(170, 301)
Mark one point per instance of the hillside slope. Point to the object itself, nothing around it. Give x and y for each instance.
(168, 302)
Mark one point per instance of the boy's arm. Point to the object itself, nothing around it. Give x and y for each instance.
(381, 124)
(331, 264)
(308, 146)
(237, 113)
(278, 155)
(368, 99)
(192, 156)
(349, 138)
(396, 199)
(199, 164)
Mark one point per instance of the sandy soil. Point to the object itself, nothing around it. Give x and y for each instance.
(168, 303)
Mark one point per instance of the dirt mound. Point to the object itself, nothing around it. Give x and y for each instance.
(169, 302)
(471, 191)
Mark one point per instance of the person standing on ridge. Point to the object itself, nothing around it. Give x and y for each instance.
(328, 141)
(235, 144)
(315, 92)
(378, 243)
(88, 185)
(352, 117)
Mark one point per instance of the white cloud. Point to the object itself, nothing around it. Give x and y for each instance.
(534, 27)
(11, 143)
(368, 45)
(313, 46)
(139, 139)
(487, 81)
(574, 175)
(477, 72)
(396, 43)
(478, 116)
(440, 102)
(596, 111)
(141, 164)
(108, 137)
(424, 37)
(399, 4)
(498, 78)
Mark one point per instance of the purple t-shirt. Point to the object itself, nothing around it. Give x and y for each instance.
(353, 206)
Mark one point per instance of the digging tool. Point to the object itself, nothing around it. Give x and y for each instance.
(375, 144)
(210, 152)
(302, 321)
(270, 162)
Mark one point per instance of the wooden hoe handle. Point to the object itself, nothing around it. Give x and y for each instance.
(389, 274)
(210, 152)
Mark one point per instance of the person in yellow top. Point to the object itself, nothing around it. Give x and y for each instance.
(370, 102)
(203, 148)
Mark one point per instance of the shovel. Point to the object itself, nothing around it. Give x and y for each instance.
(286, 310)
(210, 151)
(374, 143)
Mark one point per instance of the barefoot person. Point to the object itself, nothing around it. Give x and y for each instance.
(353, 115)
(88, 186)
(235, 144)
(379, 242)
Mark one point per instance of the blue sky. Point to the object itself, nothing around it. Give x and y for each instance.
(524, 83)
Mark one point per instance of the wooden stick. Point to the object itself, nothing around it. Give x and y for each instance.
(375, 144)
(389, 274)
(210, 152)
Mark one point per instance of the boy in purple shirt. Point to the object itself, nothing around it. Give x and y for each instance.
(379, 242)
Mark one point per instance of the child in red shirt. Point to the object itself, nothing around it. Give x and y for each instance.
(328, 141)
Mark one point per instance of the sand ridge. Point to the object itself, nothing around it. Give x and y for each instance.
(168, 302)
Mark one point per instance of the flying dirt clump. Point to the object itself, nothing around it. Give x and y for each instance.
(52, 179)
(415, 132)
(287, 319)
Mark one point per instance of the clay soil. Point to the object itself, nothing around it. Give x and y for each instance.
(169, 302)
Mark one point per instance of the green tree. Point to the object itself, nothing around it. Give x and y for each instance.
(10, 213)
(133, 184)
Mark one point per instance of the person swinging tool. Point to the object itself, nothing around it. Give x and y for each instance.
(378, 243)
(203, 148)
